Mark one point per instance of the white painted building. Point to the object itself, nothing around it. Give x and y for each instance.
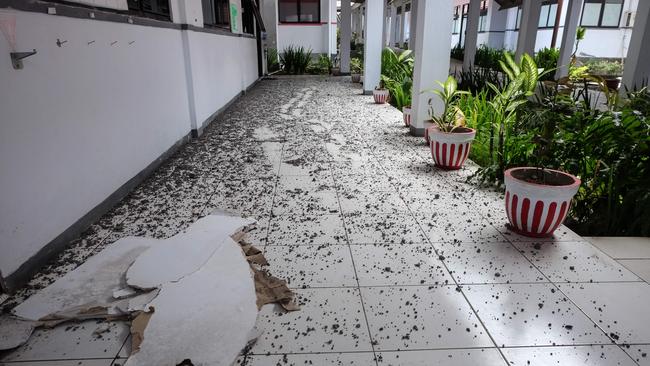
(113, 88)
(608, 22)
(308, 23)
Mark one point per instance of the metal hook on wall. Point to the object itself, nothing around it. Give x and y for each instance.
(91, 42)
(132, 42)
(60, 42)
(114, 42)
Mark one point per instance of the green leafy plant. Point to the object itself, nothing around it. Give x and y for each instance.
(490, 57)
(400, 92)
(295, 60)
(451, 117)
(605, 68)
(323, 66)
(547, 59)
(458, 52)
(356, 66)
(272, 62)
(396, 66)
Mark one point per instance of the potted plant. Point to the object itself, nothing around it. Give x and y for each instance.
(380, 94)
(355, 70)
(537, 198)
(449, 139)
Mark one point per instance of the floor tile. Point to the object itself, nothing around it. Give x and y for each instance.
(302, 167)
(640, 267)
(467, 227)
(420, 317)
(620, 309)
(562, 233)
(623, 247)
(531, 315)
(330, 320)
(91, 362)
(305, 203)
(88, 339)
(453, 357)
(371, 202)
(383, 229)
(432, 201)
(639, 353)
(360, 359)
(578, 261)
(306, 230)
(294, 183)
(568, 355)
(305, 266)
(383, 265)
(488, 263)
(376, 181)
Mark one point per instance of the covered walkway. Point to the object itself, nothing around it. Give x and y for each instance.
(395, 261)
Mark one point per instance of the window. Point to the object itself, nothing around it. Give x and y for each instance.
(602, 13)
(247, 17)
(548, 14)
(299, 11)
(456, 24)
(518, 18)
(150, 8)
(216, 13)
(482, 19)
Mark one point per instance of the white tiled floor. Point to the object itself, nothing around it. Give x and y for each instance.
(395, 262)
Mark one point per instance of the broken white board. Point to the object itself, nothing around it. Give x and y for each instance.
(176, 257)
(91, 283)
(14, 332)
(206, 316)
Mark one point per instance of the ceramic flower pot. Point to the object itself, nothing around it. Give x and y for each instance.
(536, 209)
(449, 150)
(406, 112)
(356, 78)
(380, 95)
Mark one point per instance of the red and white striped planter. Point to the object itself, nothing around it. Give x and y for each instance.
(406, 111)
(380, 95)
(356, 78)
(536, 210)
(450, 150)
(426, 135)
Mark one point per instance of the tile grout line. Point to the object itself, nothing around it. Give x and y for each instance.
(356, 277)
(459, 287)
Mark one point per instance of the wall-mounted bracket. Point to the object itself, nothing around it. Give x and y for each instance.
(17, 58)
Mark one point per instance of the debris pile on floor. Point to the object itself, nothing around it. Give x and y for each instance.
(192, 297)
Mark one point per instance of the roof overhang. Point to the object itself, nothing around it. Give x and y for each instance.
(507, 4)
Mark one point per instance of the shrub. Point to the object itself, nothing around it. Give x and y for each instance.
(547, 59)
(356, 66)
(397, 76)
(323, 66)
(295, 60)
(490, 57)
(458, 52)
(605, 68)
(272, 60)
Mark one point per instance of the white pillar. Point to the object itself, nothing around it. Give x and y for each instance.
(413, 26)
(471, 33)
(385, 25)
(530, 11)
(330, 50)
(374, 20)
(346, 35)
(393, 26)
(637, 64)
(431, 58)
(571, 22)
(497, 20)
(400, 31)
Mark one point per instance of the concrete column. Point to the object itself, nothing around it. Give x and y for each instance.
(385, 25)
(471, 34)
(637, 66)
(401, 28)
(574, 10)
(433, 37)
(530, 11)
(497, 20)
(374, 21)
(346, 35)
(393, 26)
(414, 23)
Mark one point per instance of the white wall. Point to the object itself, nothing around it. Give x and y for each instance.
(308, 36)
(79, 121)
